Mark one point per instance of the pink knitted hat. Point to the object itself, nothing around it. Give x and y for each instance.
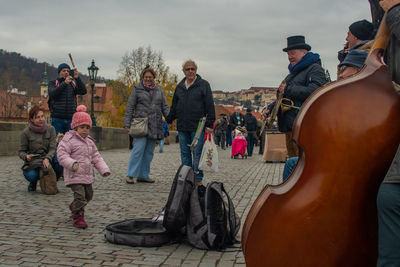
(81, 117)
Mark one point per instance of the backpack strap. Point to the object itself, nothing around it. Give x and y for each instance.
(231, 216)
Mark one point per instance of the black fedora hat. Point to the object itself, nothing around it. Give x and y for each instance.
(296, 42)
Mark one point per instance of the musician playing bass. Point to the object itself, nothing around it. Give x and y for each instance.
(388, 200)
(306, 75)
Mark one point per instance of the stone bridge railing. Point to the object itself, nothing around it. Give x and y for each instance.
(106, 138)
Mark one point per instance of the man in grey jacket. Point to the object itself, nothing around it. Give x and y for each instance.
(388, 201)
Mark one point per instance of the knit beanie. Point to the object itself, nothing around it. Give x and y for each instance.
(362, 29)
(62, 66)
(80, 117)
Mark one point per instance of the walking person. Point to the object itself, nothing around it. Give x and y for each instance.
(147, 100)
(192, 100)
(236, 119)
(78, 154)
(37, 147)
(166, 134)
(250, 123)
(223, 126)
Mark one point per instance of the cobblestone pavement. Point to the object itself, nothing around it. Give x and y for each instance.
(35, 229)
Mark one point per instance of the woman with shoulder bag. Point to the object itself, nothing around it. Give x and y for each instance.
(37, 148)
(143, 117)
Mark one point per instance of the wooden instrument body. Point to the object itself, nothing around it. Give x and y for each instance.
(325, 213)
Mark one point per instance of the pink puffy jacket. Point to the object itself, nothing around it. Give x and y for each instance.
(73, 148)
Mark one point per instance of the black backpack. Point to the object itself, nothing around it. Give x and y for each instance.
(212, 221)
(177, 207)
(164, 228)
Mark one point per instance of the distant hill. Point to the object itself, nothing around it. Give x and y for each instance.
(26, 74)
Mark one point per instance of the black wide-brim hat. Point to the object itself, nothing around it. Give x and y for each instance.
(296, 42)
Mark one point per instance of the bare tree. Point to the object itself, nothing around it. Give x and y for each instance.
(135, 61)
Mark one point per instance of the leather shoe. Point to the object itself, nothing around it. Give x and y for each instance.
(145, 180)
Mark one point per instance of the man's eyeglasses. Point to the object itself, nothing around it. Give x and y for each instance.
(190, 69)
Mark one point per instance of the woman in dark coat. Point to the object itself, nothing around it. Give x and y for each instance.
(146, 101)
(38, 146)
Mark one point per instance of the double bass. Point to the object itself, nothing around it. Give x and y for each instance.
(325, 214)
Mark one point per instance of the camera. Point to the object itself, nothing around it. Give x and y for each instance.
(71, 73)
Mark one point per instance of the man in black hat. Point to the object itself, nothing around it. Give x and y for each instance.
(306, 75)
(359, 36)
(62, 97)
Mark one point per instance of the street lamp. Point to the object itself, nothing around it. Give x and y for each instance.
(92, 76)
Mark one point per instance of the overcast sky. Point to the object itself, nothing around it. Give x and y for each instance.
(237, 44)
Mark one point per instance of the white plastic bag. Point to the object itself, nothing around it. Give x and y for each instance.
(209, 156)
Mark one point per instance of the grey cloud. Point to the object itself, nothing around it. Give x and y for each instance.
(236, 43)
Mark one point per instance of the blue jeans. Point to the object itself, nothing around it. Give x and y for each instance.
(388, 203)
(250, 143)
(61, 125)
(289, 166)
(141, 157)
(162, 144)
(187, 158)
(229, 138)
(32, 176)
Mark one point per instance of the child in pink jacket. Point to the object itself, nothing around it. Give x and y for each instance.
(78, 154)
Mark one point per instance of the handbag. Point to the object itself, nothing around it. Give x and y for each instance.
(139, 127)
(48, 181)
(209, 155)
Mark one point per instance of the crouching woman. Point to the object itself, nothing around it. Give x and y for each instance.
(38, 146)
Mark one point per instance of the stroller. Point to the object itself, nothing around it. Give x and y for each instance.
(239, 144)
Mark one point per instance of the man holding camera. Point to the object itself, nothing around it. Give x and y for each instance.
(62, 97)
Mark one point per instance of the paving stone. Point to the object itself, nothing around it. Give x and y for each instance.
(36, 229)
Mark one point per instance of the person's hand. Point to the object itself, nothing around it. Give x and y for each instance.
(68, 79)
(388, 4)
(46, 163)
(28, 157)
(76, 74)
(265, 112)
(106, 174)
(126, 128)
(209, 130)
(75, 166)
(281, 87)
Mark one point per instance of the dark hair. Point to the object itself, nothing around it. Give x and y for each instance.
(33, 111)
(148, 69)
